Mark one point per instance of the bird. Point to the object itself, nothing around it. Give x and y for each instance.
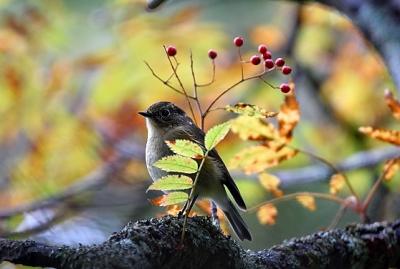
(167, 122)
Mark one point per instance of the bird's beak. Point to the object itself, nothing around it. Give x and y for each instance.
(145, 114)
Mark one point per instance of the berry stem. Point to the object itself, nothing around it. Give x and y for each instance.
(212, 80)
(195, 86)
(230, 88)
(166, 82)
(181, 85)
(269, 84)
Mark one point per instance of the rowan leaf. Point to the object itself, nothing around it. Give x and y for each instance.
(288, 117)
(336, 183)
(176, 163)
(251, 128)
(307, 201)
(271, 184)
(250, 110)
(172, 182)
(216, 134)
(185, 148)
(267, 214)
(255, 159)
(171, 198)
(391, 167)
(393, 104)
(390, 136)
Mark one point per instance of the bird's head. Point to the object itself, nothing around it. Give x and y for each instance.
(165, 116)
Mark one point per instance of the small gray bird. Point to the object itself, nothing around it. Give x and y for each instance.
(165, 121)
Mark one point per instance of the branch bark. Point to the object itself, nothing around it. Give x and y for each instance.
(155, 243)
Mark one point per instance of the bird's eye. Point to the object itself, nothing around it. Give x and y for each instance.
(165, 113)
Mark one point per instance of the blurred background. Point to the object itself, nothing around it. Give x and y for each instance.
(72, 79)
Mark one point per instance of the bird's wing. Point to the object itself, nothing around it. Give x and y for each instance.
(195, 134)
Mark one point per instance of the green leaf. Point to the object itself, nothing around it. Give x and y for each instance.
(185, 148)
(250, 110)
(216, 134)
(174, 198)
(172, 182)
(176, 163)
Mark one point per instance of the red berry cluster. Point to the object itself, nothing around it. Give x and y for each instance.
(269, 63)
(265, 56)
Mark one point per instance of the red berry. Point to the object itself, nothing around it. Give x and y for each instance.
(267, 55)
(285, 88)
(212, 54)
(280, 62)
(255, 59)
(286, 70)
(238, 41)
(171, 51)
(268, 63)
(262, 49)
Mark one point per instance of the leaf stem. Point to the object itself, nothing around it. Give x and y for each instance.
(191, 196)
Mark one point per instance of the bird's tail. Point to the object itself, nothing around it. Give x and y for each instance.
(235, 220)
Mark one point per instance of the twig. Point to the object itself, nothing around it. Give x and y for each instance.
(292, 196)
(213, 77)
(165, 82)
(180, 84)
(196, 97)
(338, 217)
(332, 166)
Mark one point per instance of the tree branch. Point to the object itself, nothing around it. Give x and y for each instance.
(155, 243)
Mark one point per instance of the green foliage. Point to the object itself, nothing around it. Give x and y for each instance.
(172, 182)
(174, 198)
(185, 148)
(176, 163)
(216, 134)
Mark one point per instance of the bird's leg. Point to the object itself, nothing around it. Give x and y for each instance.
(214, 215)
(180, 214)
(191, 205)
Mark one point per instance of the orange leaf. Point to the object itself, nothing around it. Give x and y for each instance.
(255, 159)
(158, 200)
(267, 214)
(307, 201)
(271, 184)
(288, 116)
(336, 183)
(390, 136)
(393, 104)
(391, 167)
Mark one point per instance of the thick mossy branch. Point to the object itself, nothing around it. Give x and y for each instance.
(155, 243)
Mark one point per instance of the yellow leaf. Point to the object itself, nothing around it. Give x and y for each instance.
(390, 136)
(250, 110)
(267, 214)
(307, 201)
(255, 159)
(288, 116)
(393, 104)
(336, 183)
(250, 128)
(391, 167)
(271, 184)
